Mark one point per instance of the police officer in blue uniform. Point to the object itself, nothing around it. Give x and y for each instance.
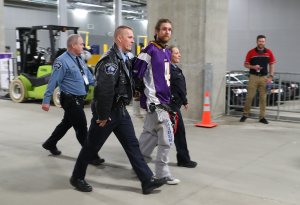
(178, 92)
(113, 91)
(72, 76)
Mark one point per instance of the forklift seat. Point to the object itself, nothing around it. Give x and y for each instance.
(36, 82)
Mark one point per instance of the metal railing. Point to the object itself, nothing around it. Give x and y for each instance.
(283, 96)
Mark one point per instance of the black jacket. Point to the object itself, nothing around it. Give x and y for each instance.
(113, 83)
(178, 86)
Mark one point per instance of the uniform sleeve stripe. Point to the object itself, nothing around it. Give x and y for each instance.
(145, 57)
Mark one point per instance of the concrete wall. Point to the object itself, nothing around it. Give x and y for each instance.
(200, 31)
(277, 19)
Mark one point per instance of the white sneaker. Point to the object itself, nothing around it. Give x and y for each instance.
(172, 181)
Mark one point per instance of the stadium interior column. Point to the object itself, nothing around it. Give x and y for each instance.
(200, 31)
(118, 12)
(2, 39)
(62, 17)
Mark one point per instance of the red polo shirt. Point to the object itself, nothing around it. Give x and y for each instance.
(262, 58)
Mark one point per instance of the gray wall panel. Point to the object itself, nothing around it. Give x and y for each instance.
(277, 19)
(103, 25)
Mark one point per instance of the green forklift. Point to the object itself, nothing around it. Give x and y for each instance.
(37, 47)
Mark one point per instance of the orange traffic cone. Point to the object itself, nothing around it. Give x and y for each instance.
(206, 122)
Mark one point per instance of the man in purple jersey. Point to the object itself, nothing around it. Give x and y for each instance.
(152, 78)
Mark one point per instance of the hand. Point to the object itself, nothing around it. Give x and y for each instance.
(269, 80)
(257, 67)
(45, 107)
(137, 96)
(102, 123)
(186, 107)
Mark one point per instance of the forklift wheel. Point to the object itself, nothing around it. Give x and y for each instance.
(56, 97)
(17, 91)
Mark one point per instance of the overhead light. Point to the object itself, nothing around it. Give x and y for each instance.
(41, 2)
(145, 23)
(130, 11)
(90, 5)
(80, 13)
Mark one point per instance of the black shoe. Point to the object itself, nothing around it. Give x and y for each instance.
(152, 184)
(53, 150)
(243, 118)
(97, 161)
(263, 120)
(189, 164)
(81, 185)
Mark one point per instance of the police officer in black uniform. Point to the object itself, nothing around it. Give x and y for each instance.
(178, 92)
(113, 91)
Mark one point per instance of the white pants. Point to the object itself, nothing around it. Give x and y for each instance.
(158, 131)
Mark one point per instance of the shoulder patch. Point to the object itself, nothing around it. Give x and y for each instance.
(111, 68)
(57, 65)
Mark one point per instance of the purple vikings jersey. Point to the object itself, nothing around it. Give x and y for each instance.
(153, 66)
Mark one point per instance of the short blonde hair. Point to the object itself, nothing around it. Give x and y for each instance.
(171, 47)
(120, 29)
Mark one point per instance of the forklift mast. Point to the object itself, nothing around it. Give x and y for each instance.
(28, 55)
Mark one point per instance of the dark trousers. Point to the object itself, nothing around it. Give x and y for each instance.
(180, 139)
(74, 116)
(121, 125)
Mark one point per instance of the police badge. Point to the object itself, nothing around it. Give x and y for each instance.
(111, 68)
(57, 65)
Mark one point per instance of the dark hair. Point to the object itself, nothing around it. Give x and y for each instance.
(160, 22)
(259, 37)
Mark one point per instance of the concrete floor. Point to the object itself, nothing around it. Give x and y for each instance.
(239, 164)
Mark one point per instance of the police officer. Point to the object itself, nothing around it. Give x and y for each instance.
(113, 91)
(72, 76)
(178, 93)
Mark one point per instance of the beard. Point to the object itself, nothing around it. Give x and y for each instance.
(260, 46)
(163, 40)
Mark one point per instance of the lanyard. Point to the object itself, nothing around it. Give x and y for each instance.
(85, 79)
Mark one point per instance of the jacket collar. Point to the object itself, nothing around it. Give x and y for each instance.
(117, 51)
(158, 45)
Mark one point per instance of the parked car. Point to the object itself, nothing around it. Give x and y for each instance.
(237, 78)
(238, 94)
(285, 93)
(238, 85)
(292, 88)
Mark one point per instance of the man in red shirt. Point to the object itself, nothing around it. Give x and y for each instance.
(257, 61)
